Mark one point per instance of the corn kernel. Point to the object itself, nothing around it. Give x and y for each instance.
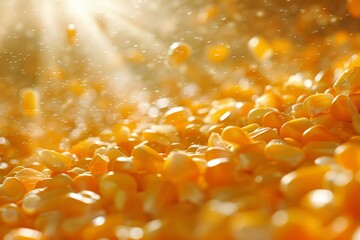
(235, 135)
(24, 234)
(342, 108)
(317, 103)
(55, 161)
(348, 82)
(299, 182)
(29, 177)
(318, 133)
(12, 189)
(30, 102)
(177, 116)
(348, 155)
(177, 54)
(146, 158)
(98, 164)
(71, 33)
(110, 182)
(179, 167)
(284, 154)
(218, 53)
(260, 48)
(353, 7)
(295, 128)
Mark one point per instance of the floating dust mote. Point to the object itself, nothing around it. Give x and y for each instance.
(179, 119)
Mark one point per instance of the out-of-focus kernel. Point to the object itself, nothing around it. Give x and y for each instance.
(259, 47)
(348, 155)
(353, 6)
(299, 182)
(30, 102)
(177, 116)
(110, 182)
(71, 33)
(177, 54)
(24, 234)
(218, 53)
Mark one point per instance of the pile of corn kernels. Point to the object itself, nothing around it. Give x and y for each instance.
(248, 160)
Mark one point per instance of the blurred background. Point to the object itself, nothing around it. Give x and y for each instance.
(92, 62)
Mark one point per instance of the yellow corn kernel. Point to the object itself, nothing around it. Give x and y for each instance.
(349, 81)
(295, 223)
(260, 48)
(318, 133)
(216, 152)
(301, 181)
(355, 98)
(251, 156)
(12, 215)
(55, 161)
(235, 135)
(122, 164)
(179, 167)
(146, 158)
(29, 177)
(12, 189)
(30, 102)
(317, 103)
(342, 108)
(275, 119)
(177, 54)
(265, 134)
(298, 111)
(158, 195)
(322, 203)
(86, 181)
(220, 171)
(353, 6)
(24, 234)
(207, 13)
(356, 123)
(177, 116)
(71, 33)
(98, 164)
(250, 127)
(218, 53)
(319, 149)
(325, 119)
(110, 182)
(294, 128)
(215, 140)
(81, 203)
(284, 154)
(348, 155)
(256, 115)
